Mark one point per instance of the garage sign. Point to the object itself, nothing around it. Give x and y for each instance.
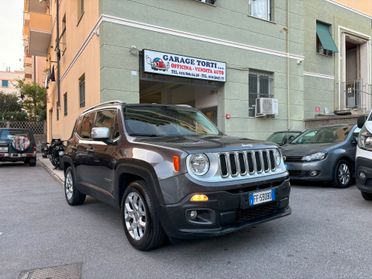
(183, 66)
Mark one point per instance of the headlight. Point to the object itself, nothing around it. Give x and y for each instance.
(199, 164)
(60, 153)
(277, 157)
(365, 140)
(314, 157)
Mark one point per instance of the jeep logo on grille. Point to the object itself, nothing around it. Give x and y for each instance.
(247, 145)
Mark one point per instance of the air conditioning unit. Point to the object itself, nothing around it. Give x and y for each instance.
(266, 107)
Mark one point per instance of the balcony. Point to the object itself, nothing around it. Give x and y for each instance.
(36, 6)
(39, 34)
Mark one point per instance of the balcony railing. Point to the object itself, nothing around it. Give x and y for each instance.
(356, 94)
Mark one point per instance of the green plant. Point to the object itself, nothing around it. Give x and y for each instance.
(33, 100)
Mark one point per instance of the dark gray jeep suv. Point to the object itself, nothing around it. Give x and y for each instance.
(172, 173)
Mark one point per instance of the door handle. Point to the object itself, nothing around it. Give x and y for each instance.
(90, 149)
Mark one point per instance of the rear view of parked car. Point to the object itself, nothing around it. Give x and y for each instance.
(17, 145)
(326, 154)
(364, 157)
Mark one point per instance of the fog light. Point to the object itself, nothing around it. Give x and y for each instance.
(362, 177)
(193, 214)
(199, 198)
(313, 173)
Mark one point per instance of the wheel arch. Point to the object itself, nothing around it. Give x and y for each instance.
(133, 170)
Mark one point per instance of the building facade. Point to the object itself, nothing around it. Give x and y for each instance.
(337, 68)
(8, 81)
(252, 66)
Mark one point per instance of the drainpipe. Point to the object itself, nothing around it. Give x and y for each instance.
(288, 68)
(58, 52)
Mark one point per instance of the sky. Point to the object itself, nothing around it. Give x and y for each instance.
(11, 41)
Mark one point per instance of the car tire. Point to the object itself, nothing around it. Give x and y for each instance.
(367, 196)
(342, 177)
(72, 194)
(141, 224)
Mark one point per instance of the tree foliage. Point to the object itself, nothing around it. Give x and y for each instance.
(34, 100)
(11, 108)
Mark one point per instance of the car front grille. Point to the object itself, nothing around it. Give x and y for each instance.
(293, 159)
(243, 163)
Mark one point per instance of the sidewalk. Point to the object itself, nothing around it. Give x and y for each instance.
(46, 164)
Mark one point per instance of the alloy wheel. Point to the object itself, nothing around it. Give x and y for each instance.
(135, 215)
(343, 174)
(69, 185)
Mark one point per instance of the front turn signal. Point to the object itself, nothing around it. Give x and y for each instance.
(199, 198)
(176, 163)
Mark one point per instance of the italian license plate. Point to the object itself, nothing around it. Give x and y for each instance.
(261, 197)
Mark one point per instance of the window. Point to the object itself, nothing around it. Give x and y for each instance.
(325, 44)
(107, 118)
(261, 9)
(80, 9)
(57, 112)
(62, 38)
(86, 125)
(82, 90)
(5, 83)
(260, 86)
(65, 108)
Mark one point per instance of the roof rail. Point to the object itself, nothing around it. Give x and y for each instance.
(105, 103)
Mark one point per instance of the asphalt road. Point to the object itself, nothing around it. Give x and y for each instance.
(329, 235)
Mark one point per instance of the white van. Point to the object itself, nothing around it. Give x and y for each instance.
(363, 161)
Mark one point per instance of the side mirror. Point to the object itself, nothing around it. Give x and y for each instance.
(361, 120)
(100, 133)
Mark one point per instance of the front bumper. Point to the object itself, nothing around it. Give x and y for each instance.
(225, 211)
(310, 171)
(364, 166)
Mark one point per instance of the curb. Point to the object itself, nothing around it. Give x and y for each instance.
(51, 172)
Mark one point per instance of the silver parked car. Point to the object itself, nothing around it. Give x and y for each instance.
(326, 154)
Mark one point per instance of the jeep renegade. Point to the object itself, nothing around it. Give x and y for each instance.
(172, 172)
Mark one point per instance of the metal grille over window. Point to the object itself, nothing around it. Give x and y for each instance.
(247, 162)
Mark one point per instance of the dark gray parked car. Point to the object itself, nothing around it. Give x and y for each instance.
(172, 172)
(326, 154)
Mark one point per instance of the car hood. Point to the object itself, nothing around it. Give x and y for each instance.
(206, 144)
(305, 149)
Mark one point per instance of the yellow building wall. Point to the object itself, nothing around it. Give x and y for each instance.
(73, 66)
(364, 6)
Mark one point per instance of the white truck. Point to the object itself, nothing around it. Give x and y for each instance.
(363, 159)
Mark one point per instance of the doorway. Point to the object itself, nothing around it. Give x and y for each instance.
(201, 96)
(355, 83)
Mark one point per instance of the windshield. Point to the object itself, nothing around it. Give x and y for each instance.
(282, 137)
(324, 135)
(160, 121)
(305, 137)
